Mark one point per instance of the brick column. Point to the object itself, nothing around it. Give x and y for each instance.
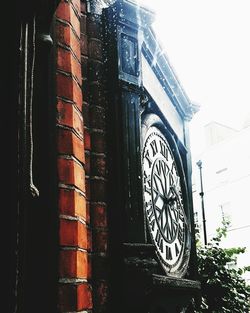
(95, 130)
(75, 293)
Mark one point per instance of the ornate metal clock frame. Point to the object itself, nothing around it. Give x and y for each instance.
(165, 192)
(150, 205)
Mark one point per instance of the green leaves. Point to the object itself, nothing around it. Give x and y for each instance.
(223, 288)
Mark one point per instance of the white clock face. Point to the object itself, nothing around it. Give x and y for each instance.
(163, 202)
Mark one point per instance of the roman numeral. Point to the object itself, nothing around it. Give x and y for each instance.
(154, 147)
(150, 213)
(177, 251)
(148, 190)
(148, 158)
(168, 253)
(152, 224)
(159, 240)
(147, 179)
(164, 150)
(180, 235)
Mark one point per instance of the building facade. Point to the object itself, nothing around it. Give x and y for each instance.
(101, 215)
(226, 177)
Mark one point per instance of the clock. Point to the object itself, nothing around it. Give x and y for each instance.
(163, 192)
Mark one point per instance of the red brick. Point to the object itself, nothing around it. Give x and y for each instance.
(88, 192)
(102, 293)
(68, 63)
(98, 141)
(73, 234)
(69, 143)
(65, 36)
(73, 264)
(67, 115)
(84, 65)
(96, 70)
(87, 164)
(83, 6)
(98, 190)
(71, 203)
(65, 12)
(99, 214)
(95, 49)
(83, 24)
(98, 165)
(97, 117)
(101, 267)
(77, 5)
(87, 139)
(87, 212)
(89, 241)
(74, 297)
(100, 240)
(89, 272)
(68, 88)
(95, 26)
(71, 173)
(97, 94)
(84, 44)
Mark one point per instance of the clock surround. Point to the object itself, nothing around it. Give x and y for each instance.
(164, 191)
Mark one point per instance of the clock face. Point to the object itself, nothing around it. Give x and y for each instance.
(163, 203)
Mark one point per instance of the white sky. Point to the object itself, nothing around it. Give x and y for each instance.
(208, 45)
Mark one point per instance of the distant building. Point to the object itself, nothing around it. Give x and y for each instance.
(226, 181)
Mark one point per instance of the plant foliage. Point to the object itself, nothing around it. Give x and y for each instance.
(223, 288)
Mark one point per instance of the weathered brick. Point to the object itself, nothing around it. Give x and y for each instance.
(97, 94)
(83, 6)
(74, 297)
(66, 36)
(88, 191)
(98, 190)
(68, 63)
(100, 266)
(84, 44)
(94, 26)
(98, 141)
(70, 144)
(97, 116)
(71, 203)
(87, 163)
(65, 12)
(101, 295)
(99, 214)
(87, 212)
(89, 241)
(73, 233)
(95, 49)
(89, 268)
(69, 89)
(68, 115)
(77, 5)
(100, 240)
(85, 112)
(96, 70)
(83, 23)
(98, 165)
(71, 173)
(87, 139)
(73, 264)
(84, 64)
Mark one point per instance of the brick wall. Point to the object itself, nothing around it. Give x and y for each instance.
(94, 111)
(75, 292)
(82, 152)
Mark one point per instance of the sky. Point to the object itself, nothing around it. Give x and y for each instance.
(208, 45)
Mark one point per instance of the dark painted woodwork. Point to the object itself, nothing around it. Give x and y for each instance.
(32, 248)
(138, 282)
